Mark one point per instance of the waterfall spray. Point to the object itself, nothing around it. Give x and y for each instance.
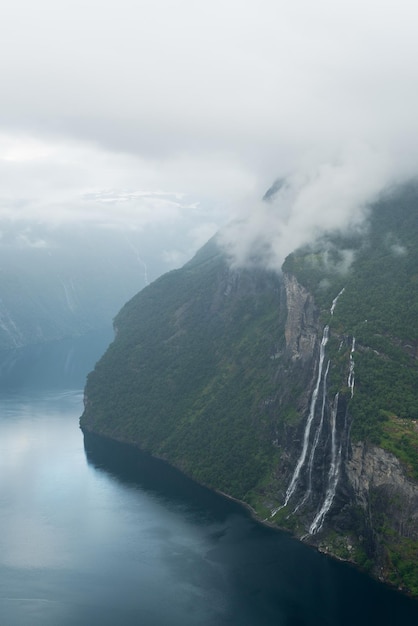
(335, 455)
(318, 432)
(315, 442)
(350, 379)
(334, 302)
(294, 481)
(333, 475)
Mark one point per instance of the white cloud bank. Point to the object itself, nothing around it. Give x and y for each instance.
(169, 114)
(327, 198)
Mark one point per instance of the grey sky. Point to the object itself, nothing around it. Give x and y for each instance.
(193, 106)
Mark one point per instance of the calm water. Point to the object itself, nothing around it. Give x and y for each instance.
(92, 533)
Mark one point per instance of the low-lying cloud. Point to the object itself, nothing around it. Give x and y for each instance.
(331, 197)
(179, 116)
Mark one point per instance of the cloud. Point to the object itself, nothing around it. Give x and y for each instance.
(65, 181)
(326, 198)
(398, 250)
(151, 114)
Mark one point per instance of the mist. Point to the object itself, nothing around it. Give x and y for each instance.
(171, 120)
(299, 209)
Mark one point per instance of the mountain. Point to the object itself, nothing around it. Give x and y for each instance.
(67, 280)
(296, 393)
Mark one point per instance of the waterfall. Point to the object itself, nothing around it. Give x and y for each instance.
(9, 327)
(315, 442)
(70, 297)
(334, 470)
(318, 432)
(333, 475)
(350, 379)
(294, 481)
(138, 258)
(334, 302)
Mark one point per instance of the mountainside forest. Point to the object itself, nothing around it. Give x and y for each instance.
(295, 392)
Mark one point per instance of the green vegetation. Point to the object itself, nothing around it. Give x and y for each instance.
(400, 436)
(379, 307)
(403, 563)
(400, 553)
(190, 374)
(198, 373)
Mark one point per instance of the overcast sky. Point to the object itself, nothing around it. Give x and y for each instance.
(144, 111)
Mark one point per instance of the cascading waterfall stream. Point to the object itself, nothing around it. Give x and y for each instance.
(333, 475)
(70, 296)
(315, 442)
(335, 456)
(334, 302)
(335, 466)
(138, 258)
(318, 432)
(9, 327)
(350, 379)
(295, 478)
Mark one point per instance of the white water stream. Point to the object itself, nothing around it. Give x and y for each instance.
(350, 379)
(334, 302)
(295, 478)
(334, 470)
(317, 434)
(333, 475)
(315, 442)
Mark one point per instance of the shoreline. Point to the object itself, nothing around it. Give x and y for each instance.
(247, 507)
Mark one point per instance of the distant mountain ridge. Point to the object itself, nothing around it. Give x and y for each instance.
(67, 280)
(295, 392)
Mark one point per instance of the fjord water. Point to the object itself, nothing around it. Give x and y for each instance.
(95, 533)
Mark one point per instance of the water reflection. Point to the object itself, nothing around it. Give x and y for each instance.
(272, 579)
(131, 467)
(57, 365)
(104, 535)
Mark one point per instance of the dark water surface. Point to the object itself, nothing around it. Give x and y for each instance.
(97, 534)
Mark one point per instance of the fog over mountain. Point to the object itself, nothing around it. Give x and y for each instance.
(298, 210)
(177, 117)
(66, 279)
(133, 131)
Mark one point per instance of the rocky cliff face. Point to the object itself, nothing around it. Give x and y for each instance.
(293, 392)
(388, 500)
(353, 500)
(301, 330)
(190, 376)
(371, 469)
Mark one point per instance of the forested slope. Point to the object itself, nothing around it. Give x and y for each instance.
(184, 379)
(296, 392)
(379, 307)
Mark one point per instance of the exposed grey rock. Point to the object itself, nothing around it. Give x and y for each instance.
(375, 506)
(301, 330)
(374, 472)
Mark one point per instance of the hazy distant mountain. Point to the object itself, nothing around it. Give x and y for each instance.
(67, 280)
(294, 392)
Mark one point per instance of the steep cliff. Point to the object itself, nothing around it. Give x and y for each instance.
(352, 499)
(190, 375)
(296, 393)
